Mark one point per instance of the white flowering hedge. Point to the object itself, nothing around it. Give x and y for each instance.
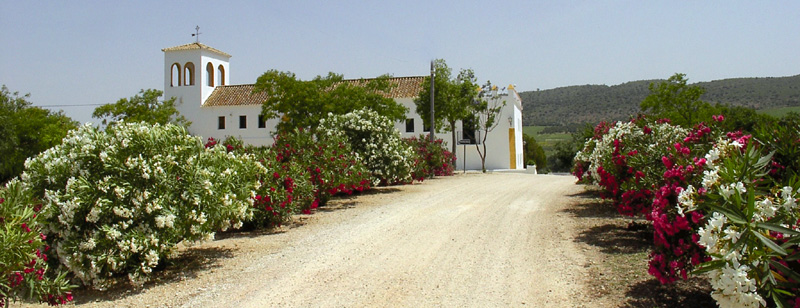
(118, 201)
(651, 138)
(753, 233)
(375, 139)
(720, 203)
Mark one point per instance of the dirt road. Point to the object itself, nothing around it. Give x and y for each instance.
(475, 240)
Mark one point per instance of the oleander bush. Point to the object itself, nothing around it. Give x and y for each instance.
(432, 158)
(119, 201)
(376, 141)
(24, 270)
(720, 203)
(328, 162)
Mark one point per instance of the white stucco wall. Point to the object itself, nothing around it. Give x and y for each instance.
(205, 120)
(497, 143)
(252, 134)
(189, 98)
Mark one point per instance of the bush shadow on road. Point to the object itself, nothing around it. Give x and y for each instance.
(605, 228)
(694, 292)
(623, 244)
(187, 265)
(343, 201)
(612, 238)
(588, 204)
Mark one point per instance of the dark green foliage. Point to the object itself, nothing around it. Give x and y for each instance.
(783, 137)
(740, 118)
(453, 98)
(143, 107)
(758, 93)
(675, 100)
(564, 151)
(595, 103)
(533, 153)
(563, 155)
(26, 131)
(582, 104)
(302, 104)
(433, 159)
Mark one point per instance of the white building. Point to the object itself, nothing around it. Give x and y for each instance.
(197, 76)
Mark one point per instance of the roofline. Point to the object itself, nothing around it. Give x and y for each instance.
(194, 46)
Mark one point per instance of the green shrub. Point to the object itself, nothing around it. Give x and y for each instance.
(327, 161)
(25, 271)
(376, 141)
(118, 201)
(431, 159)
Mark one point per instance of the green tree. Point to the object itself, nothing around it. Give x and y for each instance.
(533, 153)
(143, 107)
(486, 116)
(302, 104)
(26, 131)
(741, 118)
(675, 100)
(563, 154)
(452, 98)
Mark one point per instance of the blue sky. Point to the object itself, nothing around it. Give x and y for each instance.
(95, 52)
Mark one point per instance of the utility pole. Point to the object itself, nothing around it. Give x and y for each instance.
(433, 123)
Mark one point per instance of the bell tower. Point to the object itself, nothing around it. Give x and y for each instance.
(191, 72)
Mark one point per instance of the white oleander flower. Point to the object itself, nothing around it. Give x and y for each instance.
(725, 191)
(152, 258)
(685, 200)
(732, 234)
(765, 209)
(94, 215)
(710, 177)
(789, 201)
(739, 187)
(87, 245)
(712, 156)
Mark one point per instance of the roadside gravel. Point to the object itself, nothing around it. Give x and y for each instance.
(475, 240)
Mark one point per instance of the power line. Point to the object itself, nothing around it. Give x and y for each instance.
(78, 105)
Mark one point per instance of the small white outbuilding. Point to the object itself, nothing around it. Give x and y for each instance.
(198, 77)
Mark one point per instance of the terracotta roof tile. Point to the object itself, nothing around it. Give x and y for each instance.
(193, 46)
(404, 86)
(235, 95)
(242, 95)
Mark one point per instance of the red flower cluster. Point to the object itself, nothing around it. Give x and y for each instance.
(629, 178)
(55, 300)
(327, 167)
(433, 159)
(602, 128)
(230, 144)
(620, 183)
(676, 250)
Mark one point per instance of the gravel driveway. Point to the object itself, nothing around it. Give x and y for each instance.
(475, 240)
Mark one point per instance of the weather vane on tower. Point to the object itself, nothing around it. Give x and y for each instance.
(197, 34)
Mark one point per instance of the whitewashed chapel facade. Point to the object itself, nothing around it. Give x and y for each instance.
(198, 77)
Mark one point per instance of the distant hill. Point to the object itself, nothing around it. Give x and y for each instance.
(593, 103)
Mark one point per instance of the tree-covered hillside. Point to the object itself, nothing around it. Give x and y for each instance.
(574, 105)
